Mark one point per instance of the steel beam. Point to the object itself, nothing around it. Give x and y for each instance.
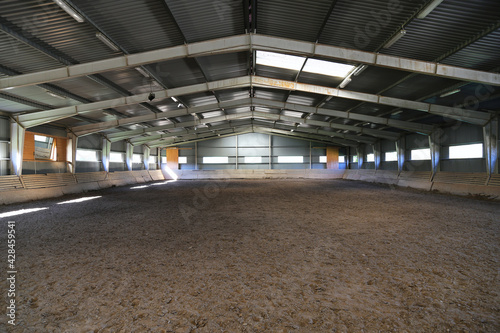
(249, 102)
(42, 117)
(250, 114)
(251, 42)
(473, 117)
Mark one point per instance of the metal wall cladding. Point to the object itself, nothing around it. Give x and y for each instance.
(299, 19)
(367, 24)
(446, 29)
(202, 20)
(136, 25)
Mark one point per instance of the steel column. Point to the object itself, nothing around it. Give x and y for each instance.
(17, 133)
(129, 156)
(401, 150)
(71, 146)
(490, 133)
(377, 154)
(435, 146)
(146, 151)
(106, 153)
(360, 151)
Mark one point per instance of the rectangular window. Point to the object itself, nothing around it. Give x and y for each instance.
(391, 156)
(370, 158)
(290, 159)
(420, 154)
(467, 151)
(152, 159)
(116, 157)
(86, 155)
(355, 159)
(163, 159)
(41, 138)
(183, 160)
(341, 159)
(216, 160)
(136, 158)
(322, 159)
(253, 159)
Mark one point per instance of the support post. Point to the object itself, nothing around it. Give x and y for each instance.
(377, 152)
(490, 133)
(236, 152)
(196, 155)
(360, 152)
(158, 159)
(435, 146)
(129, 156)
(17, 133)
(106, 153)
(310, 155)
(71, 145)
(146, 152)
(401, 150)
(270, 154)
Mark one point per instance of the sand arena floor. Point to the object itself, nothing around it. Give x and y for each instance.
(257, 256)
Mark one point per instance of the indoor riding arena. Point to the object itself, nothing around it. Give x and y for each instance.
(249, 166)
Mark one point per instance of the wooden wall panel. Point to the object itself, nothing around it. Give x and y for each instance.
(332, 158)
(173, 158)
(29, 147)
(61, 149)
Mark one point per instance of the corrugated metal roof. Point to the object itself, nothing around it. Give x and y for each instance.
(39, 20)
(445, 28)
(136, 25)
(482, 54)
(203, 20)
(367, 24)
(299, 19)
(225, 66)
(23, 58)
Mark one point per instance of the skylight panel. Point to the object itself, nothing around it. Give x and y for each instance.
(280, 60)
(329, 68)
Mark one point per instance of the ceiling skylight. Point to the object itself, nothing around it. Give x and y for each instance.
(296, 63)
(280, 60)
(327, 68)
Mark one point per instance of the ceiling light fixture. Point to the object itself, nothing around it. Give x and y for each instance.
(53, 94)
(449, 93)
(142, 71)
(359, 70)
(106, 41)
(346, 81)
(429, 8)
(67, 8)
(396, 113)
(174, 99)
(394, 39)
